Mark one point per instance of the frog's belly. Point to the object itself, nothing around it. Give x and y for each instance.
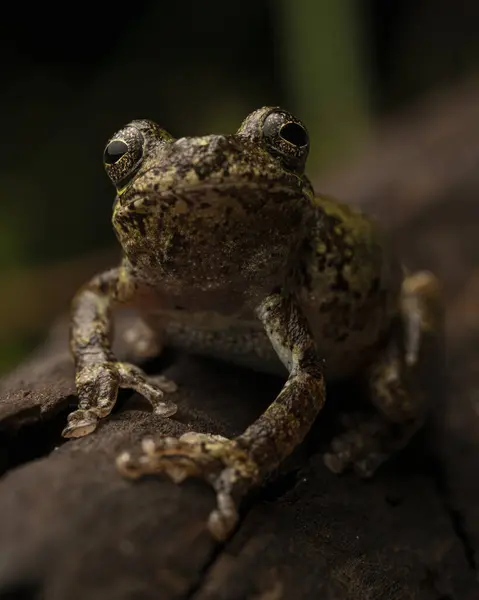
(245, 343)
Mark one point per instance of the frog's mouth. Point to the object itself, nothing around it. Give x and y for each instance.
(194, 195)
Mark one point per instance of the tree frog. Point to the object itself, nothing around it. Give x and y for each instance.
(229, 253)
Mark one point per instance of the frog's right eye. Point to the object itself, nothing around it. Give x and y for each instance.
(123, 155)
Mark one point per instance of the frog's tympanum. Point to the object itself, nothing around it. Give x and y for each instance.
(228, 252)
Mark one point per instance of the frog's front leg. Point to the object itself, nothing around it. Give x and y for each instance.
(232, 467)
(98, 374)
(400, 382)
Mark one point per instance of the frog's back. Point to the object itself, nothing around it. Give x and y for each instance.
(349, 284)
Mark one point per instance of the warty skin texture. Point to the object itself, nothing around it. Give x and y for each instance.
(228, 252)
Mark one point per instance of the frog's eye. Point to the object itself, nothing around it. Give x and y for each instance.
(123, 155)
(286, 137)
(114, 151)
(295, 134)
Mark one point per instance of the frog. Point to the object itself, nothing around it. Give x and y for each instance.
(228, 252)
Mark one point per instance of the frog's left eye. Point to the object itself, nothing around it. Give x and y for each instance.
(114, 151)
(286, 137)
(123, 155)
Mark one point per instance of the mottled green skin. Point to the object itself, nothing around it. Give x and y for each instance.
(228, 252)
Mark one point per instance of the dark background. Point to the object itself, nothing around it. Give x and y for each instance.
(73, 74)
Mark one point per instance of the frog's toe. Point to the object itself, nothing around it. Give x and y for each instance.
(344, 449)
(80, 423)
(353, 447)
(367, 466)
(215, 459)
(152, 388)
(364, 466)
(176, 458)
(367, 443)
(224, 518)
(165, 409)
(335, 463)
(163, 383)
(193, 436)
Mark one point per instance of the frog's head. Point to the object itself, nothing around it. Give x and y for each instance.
(214, 210)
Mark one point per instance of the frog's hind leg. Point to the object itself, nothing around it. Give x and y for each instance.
(140, 339)
(143, 342)
(400, 385)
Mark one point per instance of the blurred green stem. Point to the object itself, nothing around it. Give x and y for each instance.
(323, 61)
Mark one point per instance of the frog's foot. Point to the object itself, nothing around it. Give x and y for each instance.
(98, 385)
(369, 440)
(143, 341)
(217, 460)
